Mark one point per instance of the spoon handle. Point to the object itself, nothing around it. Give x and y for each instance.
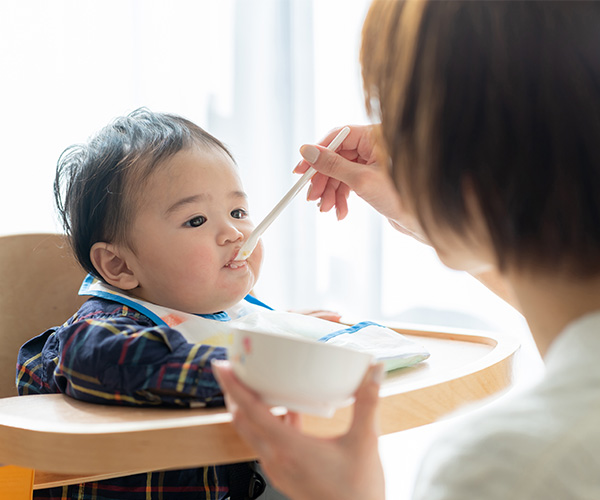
(250, 244)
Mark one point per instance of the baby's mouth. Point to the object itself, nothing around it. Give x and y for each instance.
(236, 264)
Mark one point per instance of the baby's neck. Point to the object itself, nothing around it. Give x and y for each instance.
(135, 296)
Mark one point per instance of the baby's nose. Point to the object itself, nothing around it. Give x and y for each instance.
(230, 233)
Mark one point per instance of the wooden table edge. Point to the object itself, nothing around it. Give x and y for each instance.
(395, 409)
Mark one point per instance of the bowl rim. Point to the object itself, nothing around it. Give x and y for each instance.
(297, 338)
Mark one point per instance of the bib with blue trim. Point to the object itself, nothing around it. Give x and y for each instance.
(386, 345)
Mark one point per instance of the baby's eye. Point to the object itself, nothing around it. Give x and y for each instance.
(239, 213)
(196, 221)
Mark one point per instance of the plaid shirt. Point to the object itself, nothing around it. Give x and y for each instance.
(108, 353)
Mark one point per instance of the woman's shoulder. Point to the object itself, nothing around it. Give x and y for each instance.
(519, 446)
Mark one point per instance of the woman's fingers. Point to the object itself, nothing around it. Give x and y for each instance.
(251, 417)
(331, 164)
(320, 313)
(349, 144)
(339, 171)
(362, 437)
(341, 201)
(329, 195)
(293, 419)
(277, 442)
(305, 467)
(366, 399)
(317, 185)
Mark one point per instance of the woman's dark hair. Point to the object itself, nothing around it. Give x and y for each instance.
(502, 98)
(97, 183)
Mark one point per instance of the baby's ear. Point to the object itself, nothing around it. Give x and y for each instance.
(108, 261)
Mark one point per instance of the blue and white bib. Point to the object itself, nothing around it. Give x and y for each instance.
(386, 345)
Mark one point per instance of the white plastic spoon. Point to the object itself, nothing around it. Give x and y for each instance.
(248, 247)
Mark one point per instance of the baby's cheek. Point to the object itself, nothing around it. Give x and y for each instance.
(206, 268)
(197, 269)
(256, 258)
(201, 259)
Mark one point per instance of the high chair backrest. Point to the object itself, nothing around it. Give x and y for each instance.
(39, 279)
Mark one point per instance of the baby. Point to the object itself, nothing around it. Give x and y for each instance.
(155, 211)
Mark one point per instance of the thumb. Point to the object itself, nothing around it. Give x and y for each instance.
(330, 163)
(366, 399)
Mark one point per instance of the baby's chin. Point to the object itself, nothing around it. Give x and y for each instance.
(216, 307)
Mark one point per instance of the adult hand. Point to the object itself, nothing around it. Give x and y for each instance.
(354, 167)
(305, 467)
(321, 314)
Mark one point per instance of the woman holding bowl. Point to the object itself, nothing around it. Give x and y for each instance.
(488, 148)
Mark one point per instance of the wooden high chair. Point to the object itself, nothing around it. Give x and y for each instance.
(39, 282)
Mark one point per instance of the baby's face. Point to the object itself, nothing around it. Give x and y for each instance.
(191, 221)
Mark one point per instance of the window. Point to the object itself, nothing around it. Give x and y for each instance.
(265, 77)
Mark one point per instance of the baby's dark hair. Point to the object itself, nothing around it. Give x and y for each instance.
(97, 183)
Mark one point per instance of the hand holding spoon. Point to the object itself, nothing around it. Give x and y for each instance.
(248, 247)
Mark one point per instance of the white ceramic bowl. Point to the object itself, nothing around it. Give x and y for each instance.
(301, 374)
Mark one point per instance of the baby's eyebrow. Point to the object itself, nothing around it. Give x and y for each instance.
(238, 194)
(186, 201)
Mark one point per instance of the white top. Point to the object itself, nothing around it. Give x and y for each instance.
(543, 443)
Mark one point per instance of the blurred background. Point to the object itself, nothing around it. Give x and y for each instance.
(264, 76)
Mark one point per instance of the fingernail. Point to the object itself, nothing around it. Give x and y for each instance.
(296, 167)
(308, 192)
(310, 153)
(337, 213)
(217, 364)
(377, 373)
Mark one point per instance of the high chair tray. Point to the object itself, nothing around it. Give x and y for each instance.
(98, 441)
